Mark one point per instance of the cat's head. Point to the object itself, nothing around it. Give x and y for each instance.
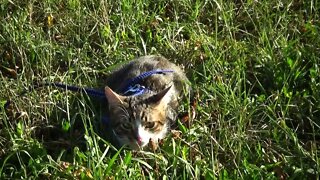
(135, 120)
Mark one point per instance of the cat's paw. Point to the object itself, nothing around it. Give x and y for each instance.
(155, 144)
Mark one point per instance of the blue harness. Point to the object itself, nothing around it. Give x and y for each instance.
(132, 87)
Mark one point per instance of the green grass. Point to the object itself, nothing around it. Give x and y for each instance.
(254, 66)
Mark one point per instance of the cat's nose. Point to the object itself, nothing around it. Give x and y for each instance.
(139, 140)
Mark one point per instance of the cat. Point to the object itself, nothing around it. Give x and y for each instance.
(136, 120)
(142, 97)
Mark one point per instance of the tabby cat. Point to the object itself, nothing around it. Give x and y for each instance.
(143, 110)
(136, 120)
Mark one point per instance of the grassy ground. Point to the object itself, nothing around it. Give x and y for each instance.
(253, 64)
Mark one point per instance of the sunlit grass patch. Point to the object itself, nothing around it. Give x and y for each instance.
(254, 67)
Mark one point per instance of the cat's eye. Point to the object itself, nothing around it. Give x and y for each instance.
(126, 126)
(150, 125)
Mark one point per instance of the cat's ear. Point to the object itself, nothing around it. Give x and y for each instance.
(113, 97)
(162, 98)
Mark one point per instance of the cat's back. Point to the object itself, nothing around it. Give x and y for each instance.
(154, 82)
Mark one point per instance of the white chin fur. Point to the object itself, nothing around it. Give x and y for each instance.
(146, 135)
